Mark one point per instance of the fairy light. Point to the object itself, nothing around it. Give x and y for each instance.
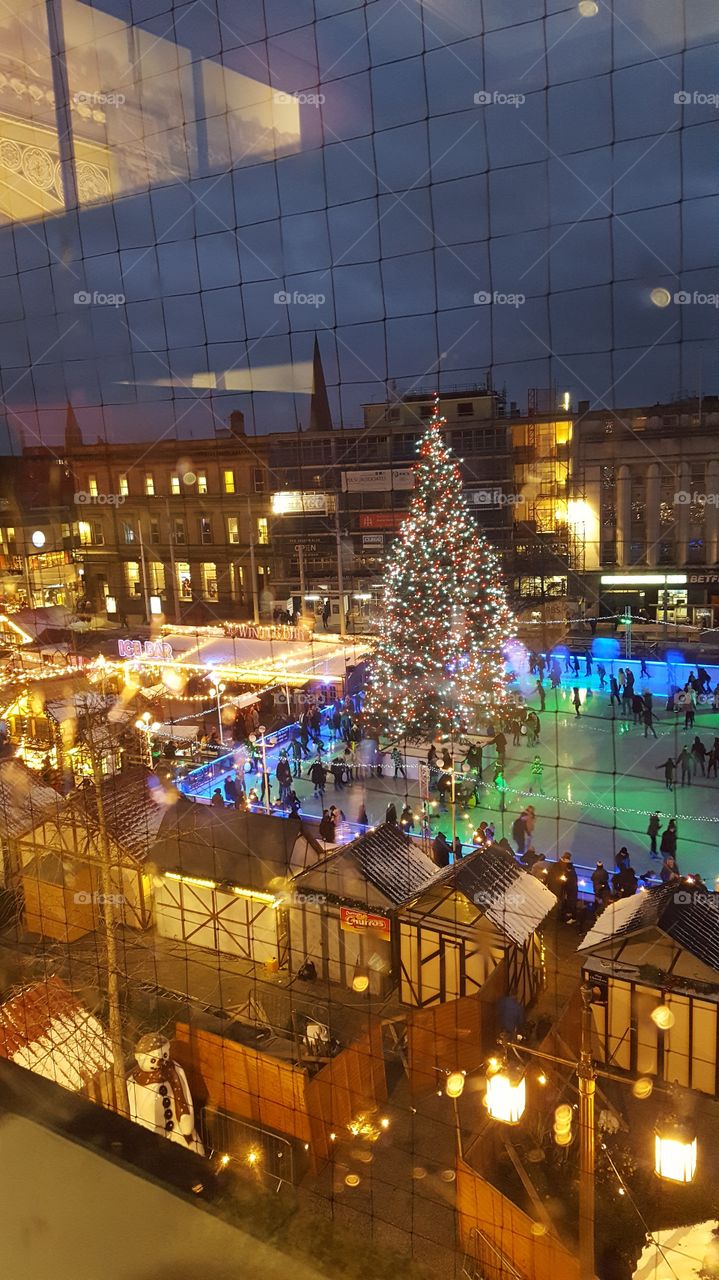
(445, 620)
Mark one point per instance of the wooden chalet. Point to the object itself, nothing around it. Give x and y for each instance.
(25, 802)
(46, 1029)
(479, 913)
(59, 857)
(343, 911)
(658, 949)
(222, 879)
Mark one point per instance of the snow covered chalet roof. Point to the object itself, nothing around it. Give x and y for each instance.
(46, 1030)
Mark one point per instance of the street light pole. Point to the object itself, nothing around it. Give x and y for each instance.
(586, 1078)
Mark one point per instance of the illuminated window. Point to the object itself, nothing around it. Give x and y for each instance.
(132, 578)
(156, 574)
(92, 486)
(174, 484)
(209, 581)
(128, 533)
(229, 481)
(123, 486)
(202, 482)
(233, 529)
(84, 533)
(263, 536)
(184, 584)
(149, 485)
(179, 533)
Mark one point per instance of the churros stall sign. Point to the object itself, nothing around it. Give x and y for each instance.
(355, 921)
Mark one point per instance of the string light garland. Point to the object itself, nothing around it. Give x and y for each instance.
(439, 664)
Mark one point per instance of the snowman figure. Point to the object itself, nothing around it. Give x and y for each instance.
(159, 1094)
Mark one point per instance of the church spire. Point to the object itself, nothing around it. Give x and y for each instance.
(320, 416)
(73, 434)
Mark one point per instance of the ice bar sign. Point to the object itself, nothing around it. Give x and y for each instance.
(150, 650)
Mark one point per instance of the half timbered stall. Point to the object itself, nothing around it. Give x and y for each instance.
(482, 912)
(657, 950)
(222, 879)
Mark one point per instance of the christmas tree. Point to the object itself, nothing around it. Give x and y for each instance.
(438, 666)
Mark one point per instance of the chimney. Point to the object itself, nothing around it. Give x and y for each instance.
(237, 423)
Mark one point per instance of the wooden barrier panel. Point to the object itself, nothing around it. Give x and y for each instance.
(351, 1083)
(501, 1236)
(455, 1036)
(268, 1092)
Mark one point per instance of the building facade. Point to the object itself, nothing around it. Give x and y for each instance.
(646, 489)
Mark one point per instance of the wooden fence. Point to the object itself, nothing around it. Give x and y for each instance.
(455, 1036)
(279, 1095)
(503, 1240)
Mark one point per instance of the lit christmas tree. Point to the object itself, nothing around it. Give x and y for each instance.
(438, 666)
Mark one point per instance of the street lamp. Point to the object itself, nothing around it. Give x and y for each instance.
(506, 1095)
(675, 1151)
(219, 688)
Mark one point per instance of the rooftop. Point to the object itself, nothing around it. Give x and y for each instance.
(382, 868)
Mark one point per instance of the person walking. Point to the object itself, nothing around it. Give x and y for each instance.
(390, 815)
(643, 670)
(576, 699)
(542, 695)
(648, 718)
(588, 664)
(602, 673)
(712, 761)
(519, 831)
(699, 752)
(283, 774)
(637, 708)
(685, 762)
(653, 832)
(614, 694)
(296, 749)
(318, 778)
(669, 839)
(668, 767)
(398, 762)
(690, 708)
(441, 850)
(536, 769)
(326, 613)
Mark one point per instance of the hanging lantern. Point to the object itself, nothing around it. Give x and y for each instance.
(455, 1084)
(506, 1094)
(675, 1151)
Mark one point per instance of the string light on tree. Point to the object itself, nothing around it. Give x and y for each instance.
(445, 620)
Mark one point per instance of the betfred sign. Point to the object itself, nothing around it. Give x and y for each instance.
(356, 921)
(381, 519)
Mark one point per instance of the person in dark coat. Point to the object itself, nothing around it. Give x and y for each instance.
(542, 695)
(699, 752)
(519, 831)
(457, 850)
(327, 828)
(669, 838)
(318, 778)
(685, 762)
(622, 858)
(614, 694)
(600, 885)
(648, 718)
(283, 774)
(390, 816)
(569, 888)
(625, 883)
(669, 870)
(441, 850)
(406, 819)
(668, 767)
(653, 832)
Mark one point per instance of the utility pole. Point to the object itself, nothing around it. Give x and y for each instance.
(143, 567)
(109, 919)
(301, 562)
(173, 570)
(587, 1084)
(253, 569)
(340, 580)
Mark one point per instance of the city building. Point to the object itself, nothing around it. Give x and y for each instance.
(645, 490)
(172, 528)
(37, 564)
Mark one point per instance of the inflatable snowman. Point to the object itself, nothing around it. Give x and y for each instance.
(159, 1094)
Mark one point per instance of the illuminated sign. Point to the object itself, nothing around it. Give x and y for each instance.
(153, 650)
(275, 631)
(381, 519)
(290, 502)
(353, 921)
(644, 580)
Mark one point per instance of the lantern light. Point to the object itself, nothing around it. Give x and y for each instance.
(454, 1087)
(506, 1095)
(675, 1151)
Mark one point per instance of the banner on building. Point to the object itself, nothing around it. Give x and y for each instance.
(381, 481)
(290, 502)
(381, 519)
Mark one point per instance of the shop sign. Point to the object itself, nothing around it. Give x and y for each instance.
(289, 502)
(354, 921)
(706, 578)
(152, 650)
(381, 519)
(372, 539)
(273, 631)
